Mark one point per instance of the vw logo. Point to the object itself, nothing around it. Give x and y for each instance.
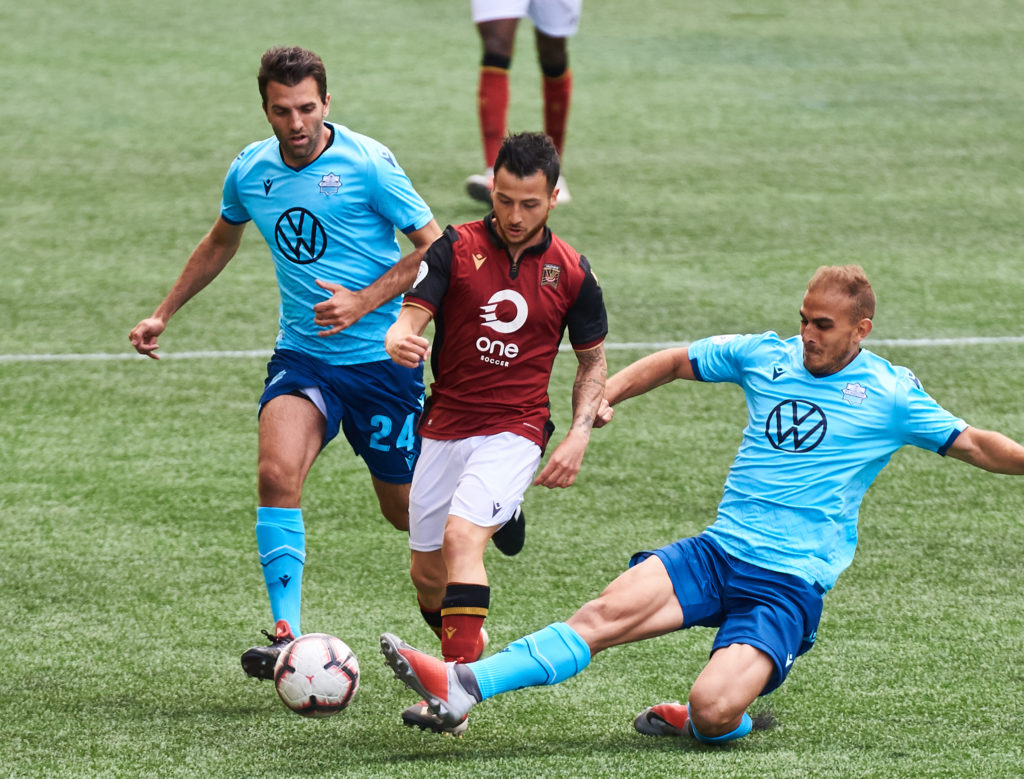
(300, 237)
(795, 426)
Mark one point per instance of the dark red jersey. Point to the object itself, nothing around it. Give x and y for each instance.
(497, 327)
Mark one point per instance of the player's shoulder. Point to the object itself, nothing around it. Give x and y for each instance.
(258, 154)
(886, 372)
(357, 145)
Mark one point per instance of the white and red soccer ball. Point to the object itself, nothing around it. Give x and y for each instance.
(316, 675)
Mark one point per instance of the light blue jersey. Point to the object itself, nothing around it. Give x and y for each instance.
(332, 220)
(811, 448)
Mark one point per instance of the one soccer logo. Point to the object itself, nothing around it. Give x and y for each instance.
(492, 316)
(505, 312)
(300, 237)
(795, 426)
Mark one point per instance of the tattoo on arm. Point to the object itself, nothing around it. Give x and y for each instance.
(588, 388)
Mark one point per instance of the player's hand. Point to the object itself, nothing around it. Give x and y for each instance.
(143, 336)
(564, 463)
(409, 350)
(604, 414)
(342, 309)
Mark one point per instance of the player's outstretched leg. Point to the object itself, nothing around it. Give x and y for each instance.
(259, 661)
(435, 680)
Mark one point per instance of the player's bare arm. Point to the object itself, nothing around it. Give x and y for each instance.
(207, 260)
(587, 391)
(345, 306)
(642, 376)
(989, 450)
(404, 341)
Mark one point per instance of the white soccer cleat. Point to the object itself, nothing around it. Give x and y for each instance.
(431, 678)
(479, 186)
(563, 191)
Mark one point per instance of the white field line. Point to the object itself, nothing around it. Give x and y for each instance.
(923, 343)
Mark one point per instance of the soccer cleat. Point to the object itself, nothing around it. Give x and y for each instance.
(419, 716)
(434, 679)
(259, 661)
(509, 537)
(563, 191)
(665, 719)
(479, 186)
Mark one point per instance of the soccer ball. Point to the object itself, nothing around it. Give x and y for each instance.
(316, 675)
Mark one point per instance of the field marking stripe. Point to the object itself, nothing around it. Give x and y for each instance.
(612, 347)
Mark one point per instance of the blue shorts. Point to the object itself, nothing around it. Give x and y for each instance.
(377, 404)
(777, 613)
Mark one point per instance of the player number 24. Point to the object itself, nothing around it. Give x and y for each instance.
(384, 425)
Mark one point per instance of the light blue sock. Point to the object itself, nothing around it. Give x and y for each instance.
(549, 656)
(746, 724)
(281, 541)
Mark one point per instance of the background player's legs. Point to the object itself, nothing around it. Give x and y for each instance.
(557, 80)
(498, 40)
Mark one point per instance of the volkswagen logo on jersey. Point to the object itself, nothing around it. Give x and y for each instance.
(795, 426)
(300, 237)
(495, 318)
(505, 312)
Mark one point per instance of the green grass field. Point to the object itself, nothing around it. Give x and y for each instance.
(717, 154)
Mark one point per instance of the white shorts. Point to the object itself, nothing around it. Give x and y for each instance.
(481, 479)
(557, 18)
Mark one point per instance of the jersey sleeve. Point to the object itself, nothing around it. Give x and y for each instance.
(926, 424)
(435, 270)
(587, 319)
(395, 198)
(721, 357)
(231, 208)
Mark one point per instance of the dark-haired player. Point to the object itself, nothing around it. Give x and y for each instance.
(328, 202)
(501, 292)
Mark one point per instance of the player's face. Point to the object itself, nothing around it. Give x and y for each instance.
(830, 333)
(521, 208)
(297, 115)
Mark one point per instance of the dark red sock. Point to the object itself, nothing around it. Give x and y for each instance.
(492, 107)
(463, 611)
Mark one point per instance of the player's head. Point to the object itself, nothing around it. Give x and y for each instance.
(524, 154)
(293, 85)
(525, 173)
(835, 317)
(290, 65)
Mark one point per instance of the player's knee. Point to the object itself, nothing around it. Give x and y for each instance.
(711, 710)
(278, 484)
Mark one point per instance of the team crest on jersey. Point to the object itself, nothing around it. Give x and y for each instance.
(549, 275)
(854, 394)
(330, 184)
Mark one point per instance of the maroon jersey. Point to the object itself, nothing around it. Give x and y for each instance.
(497, 327)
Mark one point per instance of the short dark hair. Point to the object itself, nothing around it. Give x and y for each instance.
(289, 65)
(524, 154)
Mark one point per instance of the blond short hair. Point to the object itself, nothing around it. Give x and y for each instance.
(851, 281)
